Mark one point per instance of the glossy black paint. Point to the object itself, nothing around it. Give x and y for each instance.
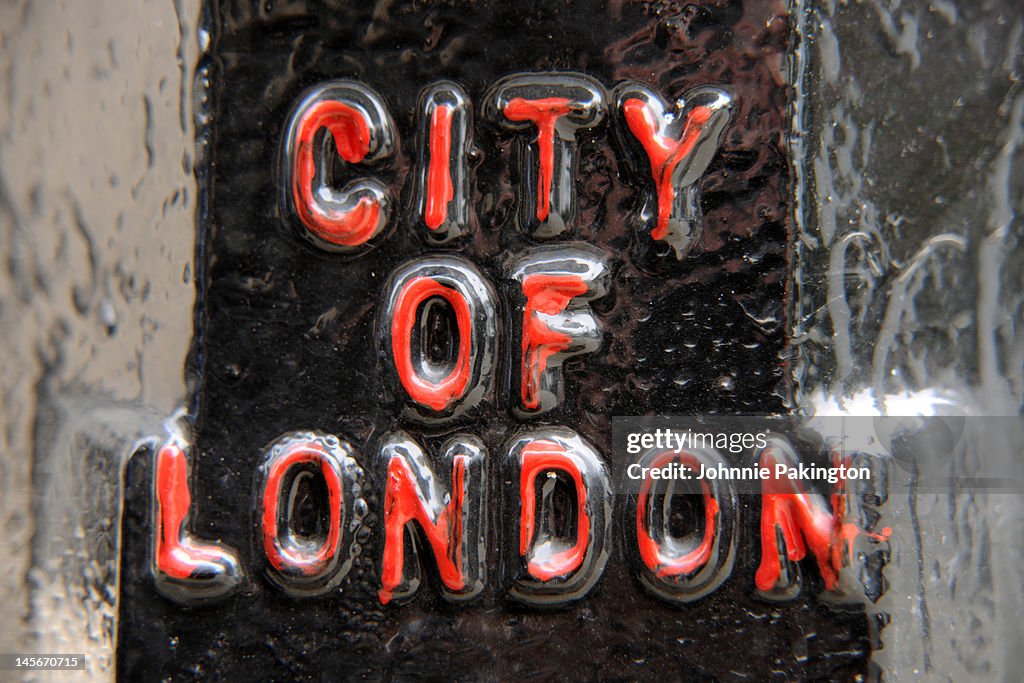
(284, 342)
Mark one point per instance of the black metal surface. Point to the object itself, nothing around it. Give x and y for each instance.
(284, 341)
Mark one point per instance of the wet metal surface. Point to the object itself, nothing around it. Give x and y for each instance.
(286, 341)
(903, 214)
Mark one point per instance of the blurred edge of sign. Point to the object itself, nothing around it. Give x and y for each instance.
(97, 236)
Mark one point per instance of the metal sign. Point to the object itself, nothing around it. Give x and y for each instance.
(441, 245)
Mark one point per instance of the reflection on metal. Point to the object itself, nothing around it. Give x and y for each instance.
(97, 231)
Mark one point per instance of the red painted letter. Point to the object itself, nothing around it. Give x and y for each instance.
(446, 138)
(437, 336)
(679, 143)
(556, 569)
(557, 284)
(185, 571)
(688, 568)
(318, 468)
(804, 520)
(452, 522)
(553, 106)
(355, 118)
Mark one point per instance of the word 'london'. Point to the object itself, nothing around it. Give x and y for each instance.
(441, 501)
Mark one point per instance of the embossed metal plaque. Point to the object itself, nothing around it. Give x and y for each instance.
(440, 245)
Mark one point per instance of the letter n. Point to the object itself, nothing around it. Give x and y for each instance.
(418, 508)
(795, 520)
